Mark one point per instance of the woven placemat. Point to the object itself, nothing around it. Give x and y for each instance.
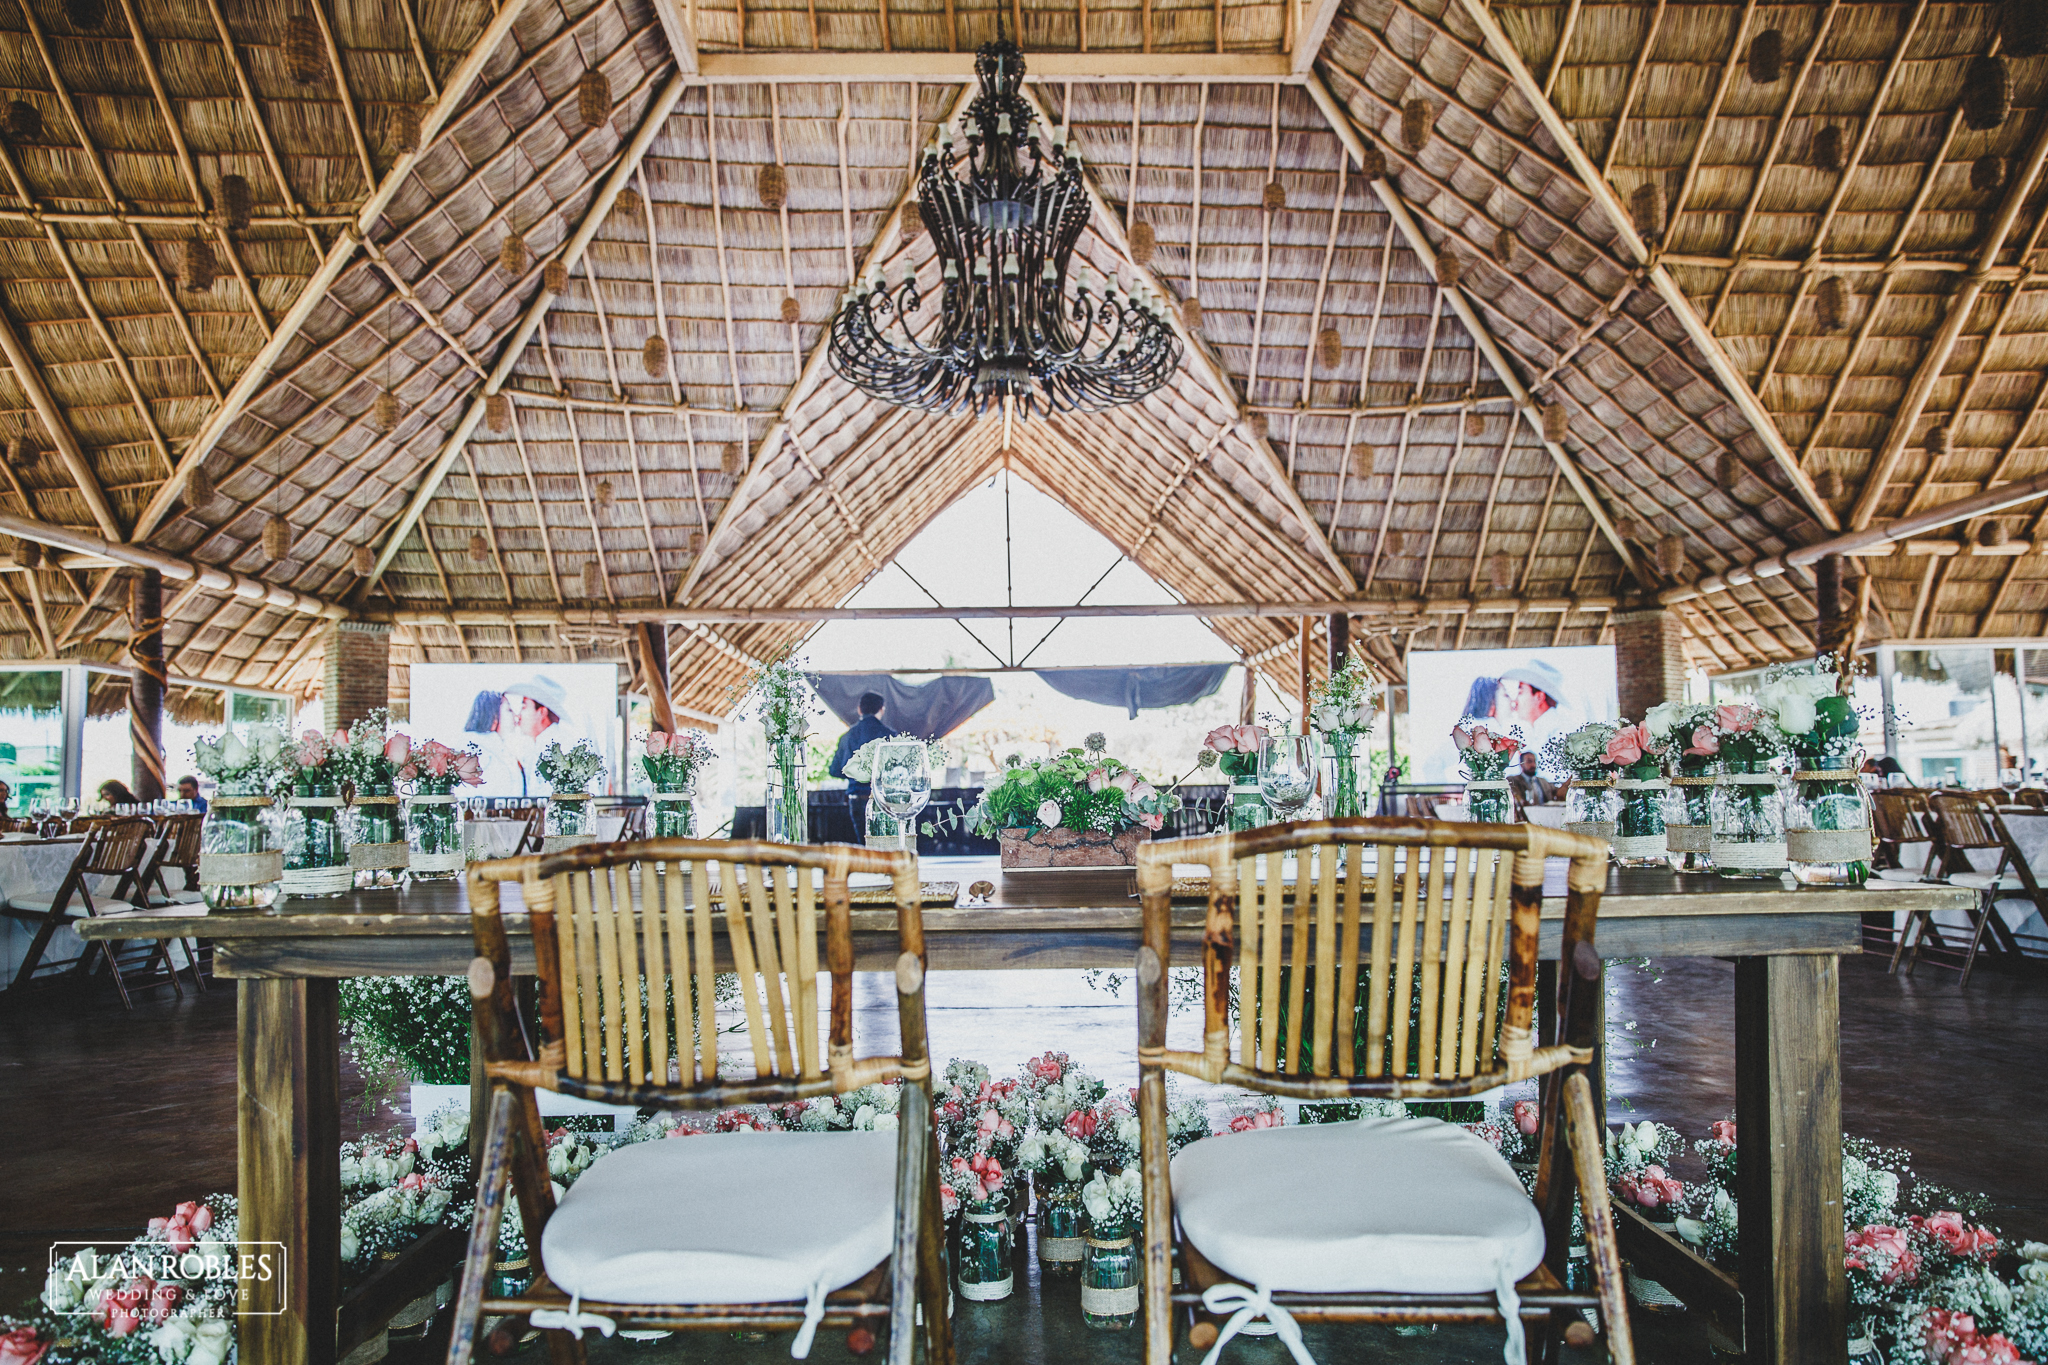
(930, 893)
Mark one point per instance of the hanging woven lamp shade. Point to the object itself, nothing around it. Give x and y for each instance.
(1830, 486)
(2023, 28)
(1987, 93)
(1374, 166)
(1500, 572)
(405, 128)
(628, 203)
(1143, 244)
(603, 494)
(1987, 173)
(498, 412)
(1361, 461)
(554, 277)
(1727, 469)
(1191, 314)
(732, 459)
(385, 412)
(654, 356)
(1767, 57)
(1557, 423)
(24, 122)
(363, 560)
(199, 265)
(199, 489)
(1646, 207)
(910, 223)
(772, 184)
(1671, 556)
(792, 311)
(28, 554)
(594, 99)
(19, 451)
(1330, 348)
(277, 538)
(1475, 425)
(1450, 270)
(1941, 440)
(1260, 427)
(234, 203)
(512, 254)
(302, 59)
(1418, 121)
(1831, 303)
(479, 548)
(1827, 149)
(1506, 249)
(1626, 528)
(696, 542)
(593, 580)
(1274, 196)
(1991, 534)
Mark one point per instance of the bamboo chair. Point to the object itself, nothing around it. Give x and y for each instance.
(1292, 1044)
(1962, 823)
(611, 921)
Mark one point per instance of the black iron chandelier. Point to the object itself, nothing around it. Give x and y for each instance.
(1004, 210)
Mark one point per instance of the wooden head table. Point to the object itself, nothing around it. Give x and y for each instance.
(1785, 943)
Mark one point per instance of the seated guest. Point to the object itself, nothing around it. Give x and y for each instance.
(115, 793)
(188, 791)
(1529, 785)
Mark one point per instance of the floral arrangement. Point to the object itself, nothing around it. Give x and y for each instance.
(1631, 750)
(370, 753)
(860, 765)
(1484, 754)
(1079, 789)
(167, 1298)
(1057, 1087)
(1739, 734)
(1115, 1200)
(435, 761)
(316, 758)
(1581, 752)
(1343, 705)
(673, 761)
(1234, 751)
(1512, 1131)
(781, 698)
(1683, 729)
(259, 761)
(567, 771)
(1054, 1156)
(418, 1025)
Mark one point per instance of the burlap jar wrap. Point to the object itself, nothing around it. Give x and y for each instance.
(318, 881)
(1688, 838)
(1109, 1303)
(1828, 845)
(555, 843)
(378, 857)
(241, 869)
(1639, 846)
(1599, 829)
(1745, 854)
(1062, 1249)
(437, 862)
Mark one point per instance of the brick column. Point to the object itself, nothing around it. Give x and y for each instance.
(1649, 659)
(358, 672)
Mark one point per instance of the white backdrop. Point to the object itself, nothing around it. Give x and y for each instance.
(461, 704)
(1442, 684)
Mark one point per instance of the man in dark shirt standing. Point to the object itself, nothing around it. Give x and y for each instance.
(868, 728)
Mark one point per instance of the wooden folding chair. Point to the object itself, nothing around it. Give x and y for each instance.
(1899, 817)
(175, 847)
(627, 938)
(1432, 910)
(112, 848)
(1962, 823)
(632, 808)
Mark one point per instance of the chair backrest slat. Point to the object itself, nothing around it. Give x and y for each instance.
(743, 959)
(1327, 914)
(706, 970)
(764, 922)
(1347, 975)
(807, 976)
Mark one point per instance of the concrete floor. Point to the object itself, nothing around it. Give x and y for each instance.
(116, 1116)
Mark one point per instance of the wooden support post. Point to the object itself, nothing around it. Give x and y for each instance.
(1828, 625)
(1340, 640)
(1788, 1114)
(289, 1169)
(1301, 658)
(653, 642)
(146, 682)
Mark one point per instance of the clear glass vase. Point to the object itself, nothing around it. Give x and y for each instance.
(1109, 1279)
(241, 862)
(1247, 808)
(377, 851)
(1062, 1229)
(568, 821)
(1639, 819)
(1489, 802)
(1689, 818)
(1591, 804)
(315, 846)
(984, 1262)
(675, 815)
(433, 832)
(1828, 840)
(1748, 842)
(1340, 777)
(886, 831)
(788, 800)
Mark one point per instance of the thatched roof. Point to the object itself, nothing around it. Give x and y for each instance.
(1720, 387)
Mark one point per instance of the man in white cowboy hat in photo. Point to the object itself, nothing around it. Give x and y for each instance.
(1532, 694)
(537, 708)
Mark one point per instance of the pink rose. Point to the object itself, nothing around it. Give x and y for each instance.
(437, 761)
(1627, 746)
(1898, 1263)
(1506, 744)
(1528, 1117)
(1097, 779)
(1704, 741)
(1462, 737)
(1223, 739)
(159, 1224)
(657, 743)
(1127, 781)
(341, 738)
(1081, 1124)
(397, 749)
(469, 769)
(163, 1302)
(1152, 822)
(1046, 1068)
(407, 772)
(1722, 1131)
(22, 1346)
(1735, 718)
(1249, 738)
(949, 1200)
(1948, 1227)
(178, 1236)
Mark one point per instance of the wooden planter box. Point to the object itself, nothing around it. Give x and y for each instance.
(1071, 847)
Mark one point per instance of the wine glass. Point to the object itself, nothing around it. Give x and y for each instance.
(2010, 779)
(1287, 773)
(903, 784)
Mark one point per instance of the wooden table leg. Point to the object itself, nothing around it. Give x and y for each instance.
(1788, 1110)
(289, 1175)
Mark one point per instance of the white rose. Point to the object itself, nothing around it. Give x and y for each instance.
(233, 753)
(1095, 1198)
(1664, 717)
(1691, 1231)
(350, 1247)
(64, 1289)
(267, 741)
(1049, 814)
(212, 1339)
(885, 1123)
(864, 1118)
(174, 1339)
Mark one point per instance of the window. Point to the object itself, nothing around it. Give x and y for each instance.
(32, 736)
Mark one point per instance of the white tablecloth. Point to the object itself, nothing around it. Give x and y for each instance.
(31, 867)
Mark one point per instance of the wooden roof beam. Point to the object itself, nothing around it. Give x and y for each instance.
(1311, 27)
(651, 123)
(949, 68)
(1675, 298)
(59, 429)
(455, 98)
(1482, 335)
(1960, 306)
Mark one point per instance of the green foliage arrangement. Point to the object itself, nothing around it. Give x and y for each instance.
(415, 1024)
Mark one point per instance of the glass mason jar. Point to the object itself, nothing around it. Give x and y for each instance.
(1827, 824)
(241, 865)
(315, 849)
(511, 1278)
(788, 801)
(884, 830)
(1863, 1347)
(1689, 817)
(568, 821)
(1062, 1228)
(1639, 818)
(1340, 776)
(1488, 801)
(675, 815)
(1748, 842)
(433, 832)
(1109, 1279)
(377, 851)
(987, 1247)
(1591, 804)
(1247, 805)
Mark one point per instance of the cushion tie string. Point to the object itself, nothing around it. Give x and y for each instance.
(574, 1319)
(814, 1313)
(1510, 1309)
(1249, 1305)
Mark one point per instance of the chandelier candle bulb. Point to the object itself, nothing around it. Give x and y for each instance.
(234, 203)
(1418, 120)
(594, 99)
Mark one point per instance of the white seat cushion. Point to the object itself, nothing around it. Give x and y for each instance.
(41, 902)
(1391, 1205)
(726, 1218)
(1985, 881)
